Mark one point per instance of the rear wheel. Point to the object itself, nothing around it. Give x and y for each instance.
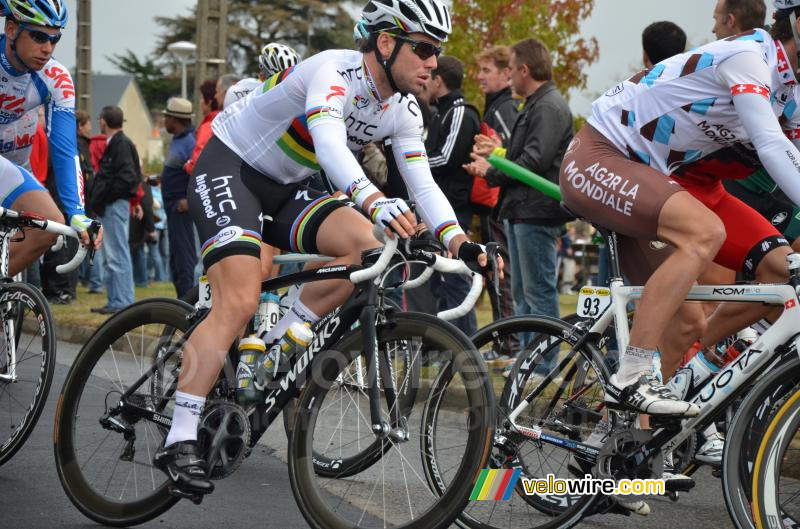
(104, 455)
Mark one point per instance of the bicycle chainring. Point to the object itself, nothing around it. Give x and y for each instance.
(614, 462)
(223, 437)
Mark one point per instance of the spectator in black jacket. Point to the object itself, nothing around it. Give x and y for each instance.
(116, 181)
(84, 123)
(449, 144)
(538, 141)
(500, 113)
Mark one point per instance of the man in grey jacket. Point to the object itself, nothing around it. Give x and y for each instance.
(539, 139)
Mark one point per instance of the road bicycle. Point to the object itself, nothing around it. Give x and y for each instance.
(28, 342)
(555, 398)
(356, 456)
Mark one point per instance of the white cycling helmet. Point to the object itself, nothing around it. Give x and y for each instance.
(786, 4)
(430, 17)
(276, 57)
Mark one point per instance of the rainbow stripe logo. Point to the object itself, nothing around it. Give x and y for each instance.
(495, 484)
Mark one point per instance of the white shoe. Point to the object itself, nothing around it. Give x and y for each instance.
(639, 507)
(711, 451)
(648, 395)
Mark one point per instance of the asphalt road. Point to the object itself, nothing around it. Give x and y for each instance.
(258, 494)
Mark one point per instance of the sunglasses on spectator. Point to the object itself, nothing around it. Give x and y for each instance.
(40, 37)
(423, 50)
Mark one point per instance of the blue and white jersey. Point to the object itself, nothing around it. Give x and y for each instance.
(682, 109)
(21, 93)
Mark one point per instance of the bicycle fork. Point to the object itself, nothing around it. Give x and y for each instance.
(397, 431)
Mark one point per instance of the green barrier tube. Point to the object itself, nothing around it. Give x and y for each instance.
(517, 172)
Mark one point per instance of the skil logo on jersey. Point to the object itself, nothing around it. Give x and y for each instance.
(10, 104)
(20, 142)
(62, 80)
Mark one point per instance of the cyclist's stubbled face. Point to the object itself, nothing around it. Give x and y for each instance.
(410, 72)
(33, 53)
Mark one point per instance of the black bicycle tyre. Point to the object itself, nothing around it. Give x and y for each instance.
(767, 508)
(99, 508)
(438, 336)
(38, 304)
(543, 325)
(745, 434)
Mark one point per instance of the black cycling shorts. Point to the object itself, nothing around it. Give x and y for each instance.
(228, 199)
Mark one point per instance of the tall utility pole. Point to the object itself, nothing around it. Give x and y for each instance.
(83, 81)
(212, 35)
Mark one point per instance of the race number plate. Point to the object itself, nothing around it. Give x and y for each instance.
(592, 301)
(204, 294)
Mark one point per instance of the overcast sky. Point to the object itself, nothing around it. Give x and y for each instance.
(118, 25)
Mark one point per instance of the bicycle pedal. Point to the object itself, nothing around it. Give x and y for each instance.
(686, 486)
(194, 497)
(672, 495)
(716, 472)
(668, 422)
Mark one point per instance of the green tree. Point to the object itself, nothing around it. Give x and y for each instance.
(154, 80)
(307, 25)
(478, 24)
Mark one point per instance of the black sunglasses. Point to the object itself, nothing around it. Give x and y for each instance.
(40, 37)
(423, 50)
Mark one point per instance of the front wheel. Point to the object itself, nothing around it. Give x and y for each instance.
(27, 362)
(333, 420)
(776, 472)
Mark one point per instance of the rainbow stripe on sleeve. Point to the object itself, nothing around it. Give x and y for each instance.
(415, 157)
(444, 228)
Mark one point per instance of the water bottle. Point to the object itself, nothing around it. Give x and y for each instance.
(692, 375)
(250, 349)
(271, 363)
(268, 314)
(706, 363)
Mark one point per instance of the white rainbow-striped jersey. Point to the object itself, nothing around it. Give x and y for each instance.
(332, 95)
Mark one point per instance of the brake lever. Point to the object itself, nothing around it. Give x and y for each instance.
(493, 254)
(93, 230)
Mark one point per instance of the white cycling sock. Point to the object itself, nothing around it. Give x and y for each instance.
(634, 363)
(297, 313)
(185, 418)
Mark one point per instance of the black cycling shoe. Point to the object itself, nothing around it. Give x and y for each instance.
(187, 470)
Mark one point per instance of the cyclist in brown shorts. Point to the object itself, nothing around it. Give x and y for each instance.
(700, 105)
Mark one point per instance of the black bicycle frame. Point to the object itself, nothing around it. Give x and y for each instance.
(361, 307)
